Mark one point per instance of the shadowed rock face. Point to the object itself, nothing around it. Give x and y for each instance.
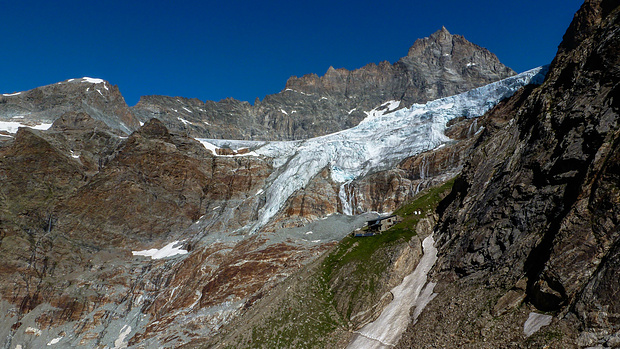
(438, 66)
(538, 200)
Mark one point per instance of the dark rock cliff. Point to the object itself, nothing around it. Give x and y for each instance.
(536, 209)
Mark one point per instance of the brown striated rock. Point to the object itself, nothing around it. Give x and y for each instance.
(68, 227)
(157, 183)
(34, 175)
(72, 121)
(317, 200)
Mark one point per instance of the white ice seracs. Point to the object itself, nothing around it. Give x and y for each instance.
(379, 142)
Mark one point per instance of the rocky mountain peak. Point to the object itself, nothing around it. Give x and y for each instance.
(441, 38)
(441, 35)
(95, 97)
(309, 106)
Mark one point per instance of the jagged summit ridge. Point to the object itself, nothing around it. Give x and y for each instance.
(311, 106)
(440, 36)
(308, 106)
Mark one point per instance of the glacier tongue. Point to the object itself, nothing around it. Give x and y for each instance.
(379, 142)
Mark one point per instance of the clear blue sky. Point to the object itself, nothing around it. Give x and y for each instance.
(246, 49)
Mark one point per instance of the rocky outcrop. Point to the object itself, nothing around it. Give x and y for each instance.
(444, 65)
(438, 66)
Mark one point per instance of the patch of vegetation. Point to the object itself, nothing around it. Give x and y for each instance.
(545, 338)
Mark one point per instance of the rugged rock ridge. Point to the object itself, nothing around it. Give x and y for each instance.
(445, 64)
(76, 202)
(438, 66)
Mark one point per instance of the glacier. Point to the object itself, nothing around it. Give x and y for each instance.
(379, 142)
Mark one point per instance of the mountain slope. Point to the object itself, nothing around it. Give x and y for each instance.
(220, 208)
(528, 238)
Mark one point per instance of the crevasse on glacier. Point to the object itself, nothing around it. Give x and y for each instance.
(379, 142)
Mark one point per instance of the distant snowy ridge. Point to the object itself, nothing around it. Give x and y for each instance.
(379, 142)
(84, 79)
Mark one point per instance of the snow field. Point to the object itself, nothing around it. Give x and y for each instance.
(12, 126)
(413, 292)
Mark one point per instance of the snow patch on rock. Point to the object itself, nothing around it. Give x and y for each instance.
(166, 251)
(93, 80)
(33, 331)
(535, 322)
(13, 126)
(54, 341)
(208, 144)
(120, 342)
